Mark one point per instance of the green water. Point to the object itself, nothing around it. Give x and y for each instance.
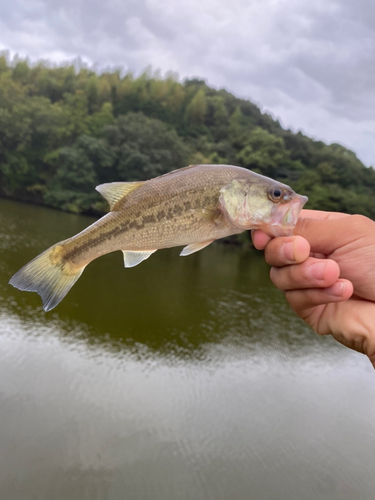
(182, 378)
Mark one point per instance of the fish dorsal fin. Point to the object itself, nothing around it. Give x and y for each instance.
(174, 172)
(113, 192)
(212, 165)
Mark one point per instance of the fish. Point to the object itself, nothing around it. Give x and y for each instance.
(190, 207)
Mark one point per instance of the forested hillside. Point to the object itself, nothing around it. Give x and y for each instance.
(63, 130)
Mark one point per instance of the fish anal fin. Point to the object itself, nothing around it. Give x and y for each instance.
(132, 259)
(195, 247)
(113, 192)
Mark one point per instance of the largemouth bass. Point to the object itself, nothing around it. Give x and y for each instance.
(192, 207)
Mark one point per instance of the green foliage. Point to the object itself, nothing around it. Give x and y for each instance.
(144, 147)
(76, 173)
(97, 121)
(65, 129)
(263, 153)
(196, 109)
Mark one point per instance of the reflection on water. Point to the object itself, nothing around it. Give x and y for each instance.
(183, 378)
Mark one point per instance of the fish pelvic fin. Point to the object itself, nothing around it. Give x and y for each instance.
(114, 192)
(50, 275)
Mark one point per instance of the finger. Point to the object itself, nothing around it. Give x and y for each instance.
(301, 300)
(286, 250)
(321, 215)
(312, 273)
(260, 239)
(318, 255)
(325, 236)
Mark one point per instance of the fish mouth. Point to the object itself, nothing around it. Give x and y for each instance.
(286, 215)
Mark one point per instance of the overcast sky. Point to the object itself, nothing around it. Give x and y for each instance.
(311, 63)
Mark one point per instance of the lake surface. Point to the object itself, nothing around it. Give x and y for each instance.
(182, 378)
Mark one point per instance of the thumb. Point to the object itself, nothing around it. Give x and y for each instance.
(327, 235)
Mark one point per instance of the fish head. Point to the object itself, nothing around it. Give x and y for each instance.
(262, 204)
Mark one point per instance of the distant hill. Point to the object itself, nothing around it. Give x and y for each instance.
(64, 130)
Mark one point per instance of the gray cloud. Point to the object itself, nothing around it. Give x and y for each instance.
(311, 64)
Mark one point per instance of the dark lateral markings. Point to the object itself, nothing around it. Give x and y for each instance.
(126, 226)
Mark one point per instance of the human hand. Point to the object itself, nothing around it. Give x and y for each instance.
(327, 271)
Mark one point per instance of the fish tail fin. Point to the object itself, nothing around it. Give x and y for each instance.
(50, 275)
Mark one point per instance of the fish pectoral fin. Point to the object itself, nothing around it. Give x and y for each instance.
(206, 213)
(132, 259)
(113, 192)
(195, 247)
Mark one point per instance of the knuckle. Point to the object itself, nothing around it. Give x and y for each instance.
(271, 252)
(285, 278)
(275, 276)
(299, 274)
(294, 300)
(274, 252)
(289, 277)
(372, 358)
(268, 255)
(361, 222)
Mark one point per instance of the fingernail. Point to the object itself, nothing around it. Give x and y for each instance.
(287, 251)
(316, 271)
(337, 289)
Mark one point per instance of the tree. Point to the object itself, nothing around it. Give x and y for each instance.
(99, 120)
(76, 173)
(64, 129)
(92, 93)
(196, 109)
(264, 152)
(144, 147)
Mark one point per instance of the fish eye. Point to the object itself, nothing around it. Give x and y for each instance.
(275, 194)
